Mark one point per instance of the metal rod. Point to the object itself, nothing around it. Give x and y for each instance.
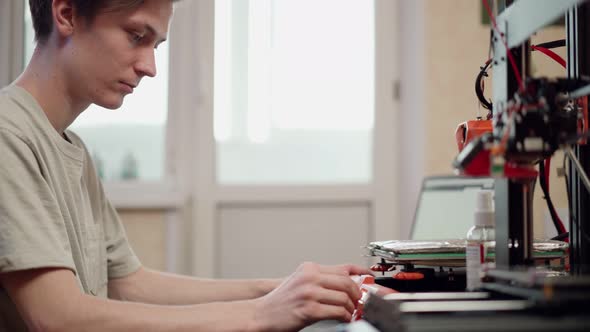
(570, 154)
(581, 92)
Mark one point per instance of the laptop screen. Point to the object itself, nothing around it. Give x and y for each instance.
(446, 207)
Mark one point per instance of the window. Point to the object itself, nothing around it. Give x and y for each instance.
(294, 91)
(127, 143)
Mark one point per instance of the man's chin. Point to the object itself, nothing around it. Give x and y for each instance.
(110, 104)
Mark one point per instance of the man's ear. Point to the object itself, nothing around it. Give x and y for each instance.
(63, 17)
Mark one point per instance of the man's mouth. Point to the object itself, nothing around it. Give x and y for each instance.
(127, 87)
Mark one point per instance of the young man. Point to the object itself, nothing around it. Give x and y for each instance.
(65, 264)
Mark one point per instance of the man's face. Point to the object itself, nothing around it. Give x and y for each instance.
(106, 60)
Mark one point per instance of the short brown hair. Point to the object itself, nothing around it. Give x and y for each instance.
(41, 12)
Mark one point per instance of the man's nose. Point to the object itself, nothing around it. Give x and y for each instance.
(146, 64)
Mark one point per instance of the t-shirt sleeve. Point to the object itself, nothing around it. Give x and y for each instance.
(32, 230)
(121, 260)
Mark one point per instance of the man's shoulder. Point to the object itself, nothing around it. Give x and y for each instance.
(13, 115)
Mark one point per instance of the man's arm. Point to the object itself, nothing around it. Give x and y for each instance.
(50, 300)
(149, 286)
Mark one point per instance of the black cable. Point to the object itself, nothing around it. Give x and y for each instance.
(552, 44)
(561, 236)
(478, 89)
(490, 45)
(547, 197)
(567, 189)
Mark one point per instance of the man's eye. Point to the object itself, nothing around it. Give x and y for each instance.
(136, 37)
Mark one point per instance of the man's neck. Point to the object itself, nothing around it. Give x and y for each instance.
(44, 78)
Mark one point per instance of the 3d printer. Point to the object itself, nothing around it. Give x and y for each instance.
(528, 120)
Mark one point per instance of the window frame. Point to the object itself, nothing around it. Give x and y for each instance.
(11, 40)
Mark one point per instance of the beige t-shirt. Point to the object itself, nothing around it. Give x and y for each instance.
(53, 210)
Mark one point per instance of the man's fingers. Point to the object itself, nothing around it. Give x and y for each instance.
(327, 311)
(336, 298)
(333, 269)
(355, 269)
(341, 284)
(344, 270)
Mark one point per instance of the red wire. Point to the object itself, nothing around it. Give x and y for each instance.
(550, 54)
(508, 52)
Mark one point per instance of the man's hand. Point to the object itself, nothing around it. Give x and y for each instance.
(314, 292)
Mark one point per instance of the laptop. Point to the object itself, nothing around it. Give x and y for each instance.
(446, 206)
(445, 211)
